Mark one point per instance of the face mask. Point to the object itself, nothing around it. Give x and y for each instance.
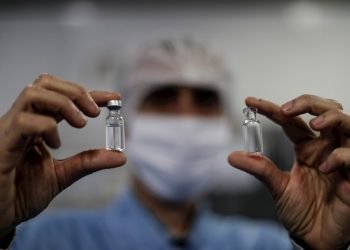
(173, 156)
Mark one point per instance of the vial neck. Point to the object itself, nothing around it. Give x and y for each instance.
(250, 116)
(114, 112)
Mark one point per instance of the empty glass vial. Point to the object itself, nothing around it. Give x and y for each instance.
(252, 131)
(115, 134)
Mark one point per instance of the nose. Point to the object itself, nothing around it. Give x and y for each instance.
(186, 104)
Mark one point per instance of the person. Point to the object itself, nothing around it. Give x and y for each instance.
(312, 200)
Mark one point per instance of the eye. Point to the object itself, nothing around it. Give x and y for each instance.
(161, 96)
(207, 99)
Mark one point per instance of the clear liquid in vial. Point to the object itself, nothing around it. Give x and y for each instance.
(115, 137)
(252, 136)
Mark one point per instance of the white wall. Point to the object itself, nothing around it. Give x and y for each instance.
(275, 52)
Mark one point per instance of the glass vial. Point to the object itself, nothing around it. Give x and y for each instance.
(115, 134)
(252, 131)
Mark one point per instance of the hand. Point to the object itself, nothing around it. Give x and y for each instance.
(29, 177)
(313, 199)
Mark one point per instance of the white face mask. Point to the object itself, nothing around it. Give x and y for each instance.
(172, 155)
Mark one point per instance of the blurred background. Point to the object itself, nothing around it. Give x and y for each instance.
(276, 50)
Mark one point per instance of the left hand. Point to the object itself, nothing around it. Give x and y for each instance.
(313, 199)
(30, 177)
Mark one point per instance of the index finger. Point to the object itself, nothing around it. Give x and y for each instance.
(295, 128)
(77, 93)
(102, 97)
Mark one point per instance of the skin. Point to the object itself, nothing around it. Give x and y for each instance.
(177, 101)
(29, 176)
(313, 199)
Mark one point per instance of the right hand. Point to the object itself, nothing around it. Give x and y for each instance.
(29, 176)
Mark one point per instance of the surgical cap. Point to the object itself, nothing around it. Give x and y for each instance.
(183, 62)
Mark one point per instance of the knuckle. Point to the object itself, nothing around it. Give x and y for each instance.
(85, 160)
(304, 97)
(337, 117)
(64, 101)
(28, 92)
(337, 104)
(336, 113)
(20, 120)
(302, 100)
(42, 78)
(80, 91)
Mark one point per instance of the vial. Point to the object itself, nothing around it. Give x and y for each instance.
(252, 131)
(115, 135)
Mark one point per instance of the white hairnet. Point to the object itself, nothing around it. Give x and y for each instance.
(181, 62)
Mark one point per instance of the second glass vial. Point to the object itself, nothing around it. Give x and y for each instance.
(115, 133)
(252, 131)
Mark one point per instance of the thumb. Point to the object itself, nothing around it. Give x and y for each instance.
(262, 168)
(72, 169)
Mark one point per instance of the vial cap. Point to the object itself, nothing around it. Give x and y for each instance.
(250, 113)
(248, 110)
(114, 104)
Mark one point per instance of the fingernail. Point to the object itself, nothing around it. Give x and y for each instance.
(97, 107)
(94, 106)
(82, 118)
(323, 167)
(318, 120)
(255, 155)
(287, 106)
